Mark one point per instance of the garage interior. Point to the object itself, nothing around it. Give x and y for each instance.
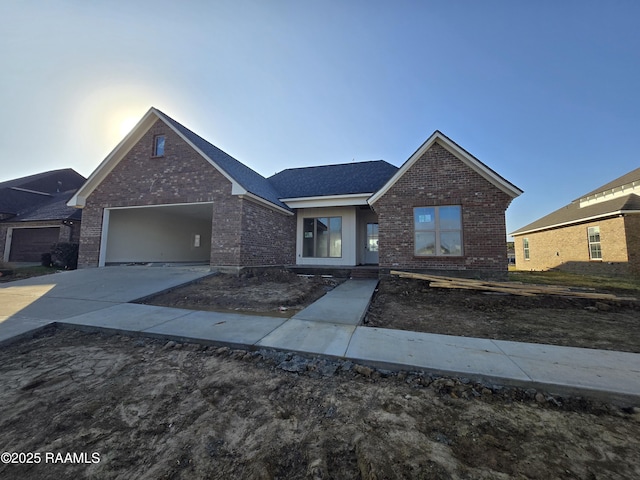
(163, 233)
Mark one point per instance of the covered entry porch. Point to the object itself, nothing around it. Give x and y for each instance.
(337, 236)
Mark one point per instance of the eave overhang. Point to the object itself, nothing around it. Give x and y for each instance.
(327, 201)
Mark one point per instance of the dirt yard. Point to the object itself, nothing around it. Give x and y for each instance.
(408, 304)
(266, 292)
(126, 408)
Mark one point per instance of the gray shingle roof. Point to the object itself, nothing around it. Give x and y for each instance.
(55, 208)
(572, 213)
(250, 180)
(632, 176)
(47, 182)
(342, 179)
(14, 199)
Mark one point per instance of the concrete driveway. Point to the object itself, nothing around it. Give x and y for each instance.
(27, 304)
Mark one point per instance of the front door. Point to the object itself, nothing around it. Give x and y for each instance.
(371, 249)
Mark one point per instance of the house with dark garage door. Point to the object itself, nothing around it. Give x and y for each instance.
(34, 214)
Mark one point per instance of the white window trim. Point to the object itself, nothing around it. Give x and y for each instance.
(437, 232)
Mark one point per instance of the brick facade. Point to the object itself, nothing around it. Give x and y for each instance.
(181, 175)
(68, 233)
(439, 178)
(567, 248)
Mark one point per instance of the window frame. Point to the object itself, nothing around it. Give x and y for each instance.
(594, 243)
(315, 237)
(526, 249)
(156, 144)
(438, 231)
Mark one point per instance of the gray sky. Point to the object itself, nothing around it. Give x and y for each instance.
(545, 92)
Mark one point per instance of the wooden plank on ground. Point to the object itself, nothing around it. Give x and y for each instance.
(519, 288)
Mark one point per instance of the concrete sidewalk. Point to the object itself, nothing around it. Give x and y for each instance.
(328, 327)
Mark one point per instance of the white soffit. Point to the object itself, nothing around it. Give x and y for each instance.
(327, 201)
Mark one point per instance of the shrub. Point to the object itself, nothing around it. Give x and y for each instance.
(65, 255)
(45, 260)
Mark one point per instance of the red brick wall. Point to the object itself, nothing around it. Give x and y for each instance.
(268, 237)
(440, 178)
(180, 176)
(568, 248)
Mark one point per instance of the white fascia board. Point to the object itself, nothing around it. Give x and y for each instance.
(459, 153)
(266, 203)
(575, 222)
(327, 201)
(108, 164)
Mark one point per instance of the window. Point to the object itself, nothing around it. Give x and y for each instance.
(595, 252)
(525, 248)
(158, 146)
(322, 237)
(438, 231)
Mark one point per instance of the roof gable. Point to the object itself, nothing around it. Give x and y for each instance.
(327, 180)
(236, 171)
(245, 181)
(460, 153)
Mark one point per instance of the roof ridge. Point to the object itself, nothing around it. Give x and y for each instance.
(5, 183)
(331, 165)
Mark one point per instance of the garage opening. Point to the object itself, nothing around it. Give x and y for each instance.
(28, 244)
(163, 233)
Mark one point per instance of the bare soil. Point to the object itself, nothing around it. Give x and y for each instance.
(159, 410)
(265, 292)
(408, 304)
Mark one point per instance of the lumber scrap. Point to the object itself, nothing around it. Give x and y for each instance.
(513, 288)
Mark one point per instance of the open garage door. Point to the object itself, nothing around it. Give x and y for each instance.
(28, 244)
(162, 233)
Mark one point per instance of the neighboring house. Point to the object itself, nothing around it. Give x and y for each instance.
(34, 214)
(596, 233)
(167, 195)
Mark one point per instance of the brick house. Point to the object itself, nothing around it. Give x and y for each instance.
(167, 195)
(34, 214)
(596, 233)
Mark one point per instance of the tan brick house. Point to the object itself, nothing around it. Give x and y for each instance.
(167, 195)
(596, 233)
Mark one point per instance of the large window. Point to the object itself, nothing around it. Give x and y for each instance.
(438, 231)
(322, 237)
(525, 248)
(595, 252)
